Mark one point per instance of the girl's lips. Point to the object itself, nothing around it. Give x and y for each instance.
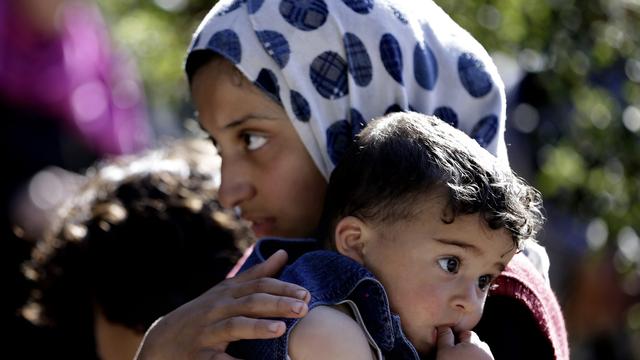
(262, 227)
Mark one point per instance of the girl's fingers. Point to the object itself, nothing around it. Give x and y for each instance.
(262, 305)
(257, 279)
(268, 285)
(203, 327)
(270, 267)
(241, 328)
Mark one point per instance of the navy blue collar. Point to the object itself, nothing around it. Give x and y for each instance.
(352, 282)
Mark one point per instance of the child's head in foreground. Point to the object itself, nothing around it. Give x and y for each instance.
(433, 215)
(143, 236)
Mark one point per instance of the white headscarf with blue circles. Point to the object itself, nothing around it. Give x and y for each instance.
(335, 64)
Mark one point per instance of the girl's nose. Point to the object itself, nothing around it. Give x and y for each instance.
(235, 187)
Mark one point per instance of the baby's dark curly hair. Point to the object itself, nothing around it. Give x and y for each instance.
(399, 158)
(143, 236)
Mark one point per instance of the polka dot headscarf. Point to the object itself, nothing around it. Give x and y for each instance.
(335, 64)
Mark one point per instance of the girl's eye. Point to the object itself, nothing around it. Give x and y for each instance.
(484, 282)
(254, 141)
(450, 264)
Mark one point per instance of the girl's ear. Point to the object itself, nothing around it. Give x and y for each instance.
(350, 238)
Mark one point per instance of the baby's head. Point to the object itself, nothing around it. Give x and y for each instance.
(433, 215)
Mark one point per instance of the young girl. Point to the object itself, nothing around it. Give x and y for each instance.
(422, 220)
(282, 88)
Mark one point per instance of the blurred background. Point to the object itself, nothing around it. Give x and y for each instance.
(572, 71)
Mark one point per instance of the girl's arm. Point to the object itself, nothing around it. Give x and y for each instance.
(328, 333)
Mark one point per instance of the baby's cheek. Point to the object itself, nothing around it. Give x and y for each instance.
(429, 311)
(471, 320)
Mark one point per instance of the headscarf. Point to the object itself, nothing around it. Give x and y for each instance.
(334, 65)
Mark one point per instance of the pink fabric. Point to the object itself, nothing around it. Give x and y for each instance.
(74, 76)
(523, 282)
(240, 262)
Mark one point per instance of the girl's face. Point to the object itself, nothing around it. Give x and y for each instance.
(266, 170)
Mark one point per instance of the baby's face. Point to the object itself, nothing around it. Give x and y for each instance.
(437, 274)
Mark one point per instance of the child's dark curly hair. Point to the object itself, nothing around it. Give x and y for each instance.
(143, 236)
(400, 157)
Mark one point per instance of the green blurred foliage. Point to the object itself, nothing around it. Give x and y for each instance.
(585, 56)
(589, 160)
(157, 33)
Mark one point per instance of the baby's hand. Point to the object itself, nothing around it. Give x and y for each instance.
(469, 347)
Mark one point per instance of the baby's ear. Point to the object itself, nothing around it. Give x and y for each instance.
(350, 238)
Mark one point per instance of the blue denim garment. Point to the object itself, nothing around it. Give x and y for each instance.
(330, 278)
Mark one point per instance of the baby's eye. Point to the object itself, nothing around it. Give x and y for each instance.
(254, 141)
(484, 282)
(450, 264)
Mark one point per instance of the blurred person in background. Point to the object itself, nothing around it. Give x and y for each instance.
(142, 236)
(596, 309)
(66, 99)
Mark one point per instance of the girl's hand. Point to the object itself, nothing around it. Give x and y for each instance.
(469, 347)
(229, 311)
